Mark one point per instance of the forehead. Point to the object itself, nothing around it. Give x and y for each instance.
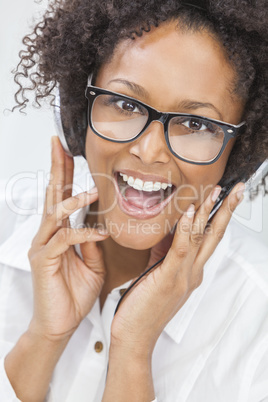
(174, 63)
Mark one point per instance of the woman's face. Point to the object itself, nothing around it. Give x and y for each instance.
(172, 71)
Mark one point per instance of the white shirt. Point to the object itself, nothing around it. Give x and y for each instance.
(215, 349)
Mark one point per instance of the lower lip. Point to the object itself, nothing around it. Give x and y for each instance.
(138, 213)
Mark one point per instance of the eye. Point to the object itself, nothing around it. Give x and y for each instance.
(128, 106)
(121, 106)
(195, 124)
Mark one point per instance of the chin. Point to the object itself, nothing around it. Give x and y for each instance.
(138, 236)
(134, 245)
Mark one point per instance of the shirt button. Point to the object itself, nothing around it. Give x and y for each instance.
(122, 291)
(98, 347)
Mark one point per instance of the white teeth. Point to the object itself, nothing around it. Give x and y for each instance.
(138, 184)
(148, 186)
(164, 186)
(125, 177)
(130, 181)
(141, 185)
(157, 186)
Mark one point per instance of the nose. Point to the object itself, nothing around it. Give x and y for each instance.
(151, 146)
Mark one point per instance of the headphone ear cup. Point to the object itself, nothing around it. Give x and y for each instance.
(70, 130)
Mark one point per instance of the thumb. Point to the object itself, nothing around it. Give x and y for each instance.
(93, 257)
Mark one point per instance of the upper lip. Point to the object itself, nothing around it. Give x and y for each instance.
(145, 176)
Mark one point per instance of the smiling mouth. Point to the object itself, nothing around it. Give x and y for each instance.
(143, 196)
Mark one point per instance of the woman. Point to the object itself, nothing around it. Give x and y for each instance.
(195, 327)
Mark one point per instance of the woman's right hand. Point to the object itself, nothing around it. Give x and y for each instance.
(65, 287)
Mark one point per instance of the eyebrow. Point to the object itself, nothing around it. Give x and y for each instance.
(193, 105)
(137, 89)
(186, 104)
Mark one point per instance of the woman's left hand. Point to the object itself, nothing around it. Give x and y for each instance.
(145, 312)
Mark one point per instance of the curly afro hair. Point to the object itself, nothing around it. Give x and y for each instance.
(75, 37)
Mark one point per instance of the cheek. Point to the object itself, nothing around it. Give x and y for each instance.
(199, 180)
(96, 155)
(93, 151)
(101, 157)
(101, 152)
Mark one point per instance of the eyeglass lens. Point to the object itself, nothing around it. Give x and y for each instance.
(191, 138)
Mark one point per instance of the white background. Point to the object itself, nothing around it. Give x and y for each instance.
(25, 140)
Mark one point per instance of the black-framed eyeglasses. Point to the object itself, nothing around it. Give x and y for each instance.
(191, 138)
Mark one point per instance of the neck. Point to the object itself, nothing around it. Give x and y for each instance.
(122, 264)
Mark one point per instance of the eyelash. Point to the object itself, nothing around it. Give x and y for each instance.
(113, 100)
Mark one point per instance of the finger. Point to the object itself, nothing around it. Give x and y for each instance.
(66, 237)
(197, 237)
(53, 219)
(201, 219)
(92, 256)
(217, 227)
(181, 243)
(69, 171)
(54, 192)
(68, 186)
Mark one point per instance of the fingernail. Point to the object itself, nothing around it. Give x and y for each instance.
(215, 193)
(240, 192)
(92, 190)
(190, 211)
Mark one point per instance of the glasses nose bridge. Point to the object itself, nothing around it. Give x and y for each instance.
(159, 116)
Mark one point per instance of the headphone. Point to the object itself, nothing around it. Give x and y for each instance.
(71, 130)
